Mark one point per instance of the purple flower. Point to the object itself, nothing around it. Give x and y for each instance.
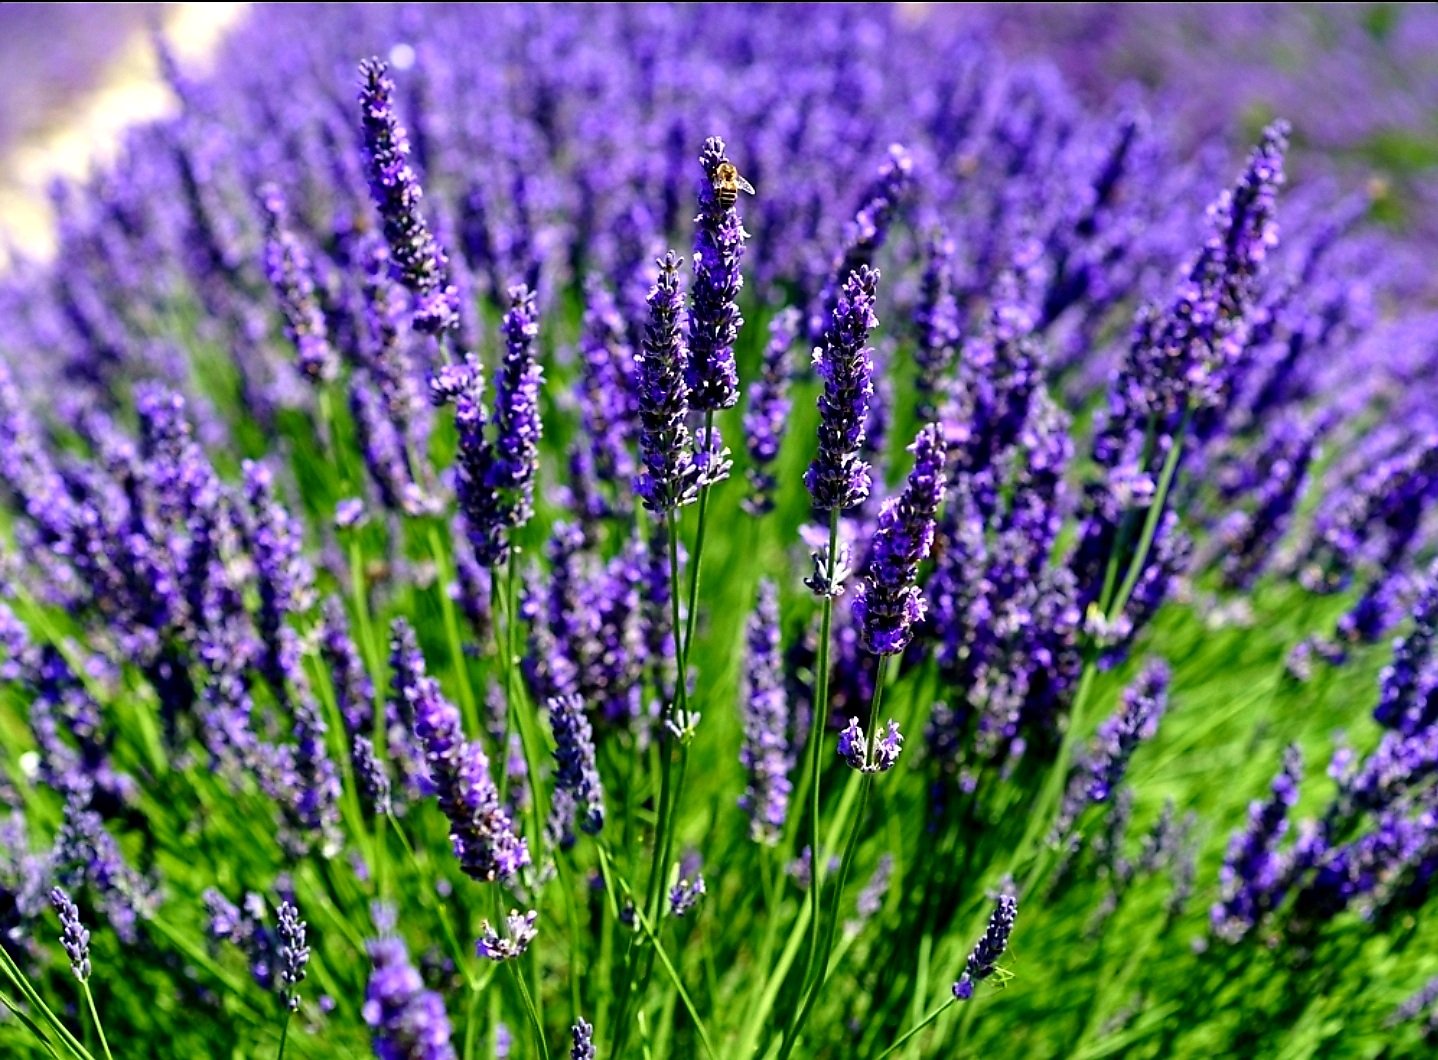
(277, 954)
(284, 576)
(936, 324)
(880, 758)
(306, 773)
(766, 753)
(288, 268)
(292, 953)
(515, 453)
(888, 603)
(838, 478)
(479, 826)
(408, 1021)
(670, 478)
(768, 411)
(520, 932)
(582, 1035)
(1098, 776)
(605, 390)
(1135, 721)
(871, 899)
(685, 894)
(714, 319)
(371, 780)
(1406, 685)
(989, 948)
(421, 263)
(86, 855)
(575, 770)
(865, 234)
(73, 937)
(1254, 870)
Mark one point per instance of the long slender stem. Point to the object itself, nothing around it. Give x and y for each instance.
(6, 1001)
(821, 968)
(610, 875)
(1151, 520)
(505, 649)
(693, 609)
(904, 1038)
(284, 1035)
(530, 1010)
(16, 976)
(100, 1027)
(818, 710)
(677, 708)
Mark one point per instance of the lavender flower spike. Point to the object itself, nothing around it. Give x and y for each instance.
(1251, 879)
(766, 754)
(74, 937)
(670, 478)
(513, 459)
(575, 771)
(990, 948)
(288, 268)
(582, 1034)
(294, 953)
(520, 931)
(408, 1021)
(714, 321)
(838, 478)
(1135, 721)
(396, 192)
(480, 828)
(888, 602)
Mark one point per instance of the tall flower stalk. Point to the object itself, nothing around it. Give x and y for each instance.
(837, 479)
(888, 604)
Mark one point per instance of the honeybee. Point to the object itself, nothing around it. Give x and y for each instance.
(728, 184)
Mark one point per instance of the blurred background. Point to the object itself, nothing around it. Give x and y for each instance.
(1356, 81)
(75, 75)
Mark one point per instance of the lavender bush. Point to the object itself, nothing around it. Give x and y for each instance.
(718, 531)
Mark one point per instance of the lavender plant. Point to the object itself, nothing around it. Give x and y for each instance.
(337, 721)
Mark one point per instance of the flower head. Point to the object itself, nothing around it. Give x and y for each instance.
(838, 479)
(989, 948)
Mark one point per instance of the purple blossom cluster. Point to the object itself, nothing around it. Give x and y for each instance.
(276, 952)
(458, 770)
(196, 453)
(408, 1021)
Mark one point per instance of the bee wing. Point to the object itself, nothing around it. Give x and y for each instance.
(744, 185)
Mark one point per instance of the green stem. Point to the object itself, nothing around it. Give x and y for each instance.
(693, 611)
(504, 656)
(471, 1024)
(30, 1025)
(530, 1010)
(917, 1028)
(610, 875)
(821, 969)
(284, 1034)
(819, 709)
(17, 977)
(95, 1015)
(677, 708)
(1151, 520)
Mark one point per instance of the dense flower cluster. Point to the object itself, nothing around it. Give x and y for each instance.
(307, 371)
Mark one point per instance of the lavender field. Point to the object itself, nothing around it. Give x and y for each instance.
(733, 531)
